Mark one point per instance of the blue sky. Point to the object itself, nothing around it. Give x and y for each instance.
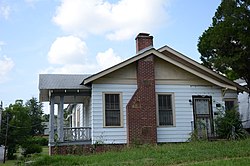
(86, 36)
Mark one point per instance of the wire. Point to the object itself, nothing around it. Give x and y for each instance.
(21, 127)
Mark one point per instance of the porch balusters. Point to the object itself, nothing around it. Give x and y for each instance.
(77, 133)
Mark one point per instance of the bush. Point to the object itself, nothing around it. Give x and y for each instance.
(32, 145)
(40, 141)
(229, 126)
(30, 149)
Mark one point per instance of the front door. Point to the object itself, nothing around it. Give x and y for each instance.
(203, 118)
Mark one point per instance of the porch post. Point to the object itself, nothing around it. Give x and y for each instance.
(51, 121)
(60, 119)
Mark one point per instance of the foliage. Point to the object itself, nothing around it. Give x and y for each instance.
(229, 126)
(40, 141)
(18, 128)
(23, 122)
(35, 114)
(166, 154)
(194, 136)
(45, 117)
(225, 45)
(30, 146)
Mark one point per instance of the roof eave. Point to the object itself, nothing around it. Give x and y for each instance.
(192, 62)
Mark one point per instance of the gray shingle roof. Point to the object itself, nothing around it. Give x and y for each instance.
(62, 81)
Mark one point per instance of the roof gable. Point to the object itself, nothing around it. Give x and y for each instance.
(168, 54)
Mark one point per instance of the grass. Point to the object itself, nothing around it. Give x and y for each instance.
(9, 163)
(194, 153)
(45, 151)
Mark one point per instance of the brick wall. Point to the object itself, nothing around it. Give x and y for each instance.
(83, 149)
(141, 109)
(143, 40)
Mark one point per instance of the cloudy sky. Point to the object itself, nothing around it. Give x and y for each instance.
(86, 36)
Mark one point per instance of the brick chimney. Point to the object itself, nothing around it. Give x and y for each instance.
(141, 109)
(143, 40)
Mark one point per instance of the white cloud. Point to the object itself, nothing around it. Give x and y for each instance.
(68, 55)
(4, 11)
(67, 50)
(107, 59)
(6, 66)
(118, 21)
(104, 60)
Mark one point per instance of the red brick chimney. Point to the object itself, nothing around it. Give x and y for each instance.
(141, 109)
(143, 40)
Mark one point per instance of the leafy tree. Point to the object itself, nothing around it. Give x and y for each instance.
(35, 113)
(225, 45)
(24, 122)
(19, 126)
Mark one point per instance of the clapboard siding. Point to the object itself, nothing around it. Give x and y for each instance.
(105, 134)
(184, 109)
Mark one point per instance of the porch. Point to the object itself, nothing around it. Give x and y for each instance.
(73, 136)
(65, 90)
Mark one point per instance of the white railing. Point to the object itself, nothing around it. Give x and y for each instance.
(77, 133)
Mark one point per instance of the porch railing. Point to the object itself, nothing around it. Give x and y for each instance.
(77, 133)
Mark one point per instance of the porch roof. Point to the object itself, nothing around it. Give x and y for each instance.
(66, 84)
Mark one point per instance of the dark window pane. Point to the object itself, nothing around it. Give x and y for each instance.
(112, 117)
(229, 105)
(165, 110)
(112, 110)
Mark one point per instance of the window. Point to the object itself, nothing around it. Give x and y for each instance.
(112, 110)
(230, 104)
(165, 110)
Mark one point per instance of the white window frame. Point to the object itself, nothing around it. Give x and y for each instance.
(173, 109)
(104, 109)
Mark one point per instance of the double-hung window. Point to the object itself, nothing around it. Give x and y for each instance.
(165, 110)
(112, 110)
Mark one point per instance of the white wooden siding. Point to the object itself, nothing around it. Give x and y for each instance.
(109, 135)
(184, 110)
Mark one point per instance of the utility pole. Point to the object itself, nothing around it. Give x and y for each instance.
(1, 110)
(6, 138)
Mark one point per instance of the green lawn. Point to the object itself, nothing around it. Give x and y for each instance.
(195, 153)
(184, 154)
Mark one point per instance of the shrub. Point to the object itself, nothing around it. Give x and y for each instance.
(31, 146)
(40, 141)
(30, 149)
(229, 126)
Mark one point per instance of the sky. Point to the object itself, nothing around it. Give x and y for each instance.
(87, 36)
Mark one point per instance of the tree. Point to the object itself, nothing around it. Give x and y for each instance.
(35, 113)
(24, 122)
(19, 126)
(225, 45)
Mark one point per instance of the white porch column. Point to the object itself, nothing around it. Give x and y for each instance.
(60, 120)
(51, 121)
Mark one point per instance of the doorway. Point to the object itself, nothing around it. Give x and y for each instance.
(203, 117)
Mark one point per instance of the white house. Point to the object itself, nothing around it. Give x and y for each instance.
(156, 96)
(244, 106)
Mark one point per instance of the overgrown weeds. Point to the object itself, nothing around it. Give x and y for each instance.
(166, 154)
